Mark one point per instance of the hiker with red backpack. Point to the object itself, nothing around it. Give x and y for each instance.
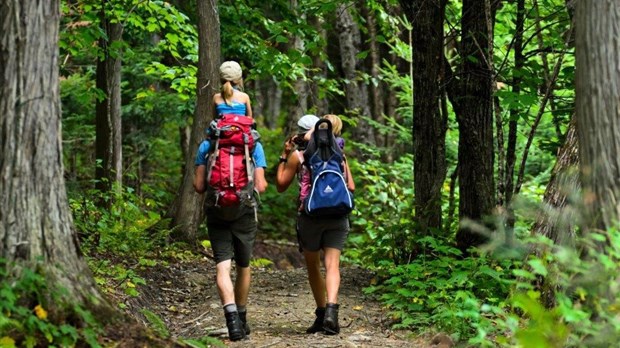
(230, 169)
(325, 200)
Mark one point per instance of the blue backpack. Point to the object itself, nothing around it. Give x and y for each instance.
(329, 195)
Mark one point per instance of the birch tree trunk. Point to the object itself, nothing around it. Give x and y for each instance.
(187, 209)
(598, 108)
(35, 220)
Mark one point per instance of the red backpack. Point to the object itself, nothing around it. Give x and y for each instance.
(230, 175)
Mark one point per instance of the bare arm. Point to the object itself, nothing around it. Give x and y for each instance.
(287, 170)
(248, 107)
(199, 178)
(350, 182)
(260, 183)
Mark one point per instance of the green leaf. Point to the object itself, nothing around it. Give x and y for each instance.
(538, 267)
(524, 274)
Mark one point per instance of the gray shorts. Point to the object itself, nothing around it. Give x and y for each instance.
(232, 239)
(316, 233)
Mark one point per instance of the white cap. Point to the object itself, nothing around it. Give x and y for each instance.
(306, 123)
(230, 71)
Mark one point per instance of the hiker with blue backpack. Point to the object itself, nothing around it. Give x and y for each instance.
(325, 200)
(230, 169)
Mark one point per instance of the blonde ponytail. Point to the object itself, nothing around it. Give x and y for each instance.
(227, 92)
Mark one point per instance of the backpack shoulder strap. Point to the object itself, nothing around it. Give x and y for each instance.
(248, 158)
(212, 153)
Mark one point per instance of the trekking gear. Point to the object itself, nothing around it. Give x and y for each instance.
(330, 324)
(243, 317)
(235, 326)
(317, 326)
(230, 173)
(329, 195)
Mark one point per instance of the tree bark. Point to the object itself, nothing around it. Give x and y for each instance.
(187, 209)
(560, 211)
(511, 150)
(35, 220)
(356, 91)
(108, 109)
(377, 87)
(318, 102)
(429, 125)
(299, 97)
(557, 219)
(475, 119)
(598, 108)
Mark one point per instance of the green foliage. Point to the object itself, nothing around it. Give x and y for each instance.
(565, 296)
(121, 228)
(156, 34)
(383, 218)
(277, 210)
(439, 286)
(32, 314)
(261, 263)
(156, 322)
(203, 342)
(119, 239)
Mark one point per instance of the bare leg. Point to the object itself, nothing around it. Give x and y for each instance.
(227, 295)
(317, 283)
(224, 283)
(332, 274)
(242, 285)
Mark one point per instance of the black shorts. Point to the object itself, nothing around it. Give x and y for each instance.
(316, 233)
(232, 239)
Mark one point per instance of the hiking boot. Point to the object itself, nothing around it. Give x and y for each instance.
(318, 322)
(330, 323)
(246, 327)
(235, 326)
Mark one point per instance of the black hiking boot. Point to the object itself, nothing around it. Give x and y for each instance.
(318, 322)
(235, 326)
(330, 324)
(246, 327)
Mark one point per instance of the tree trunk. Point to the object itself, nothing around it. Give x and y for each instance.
(356, 91)
(429, 126)
(299, 97)
(377, 87)
(559, 215)
(598, 108)
(557, 219)
(108, 110)
(511, 150)
(187, 209)
(475, 119)
(35, 220)
(318, 102)
(274, 99)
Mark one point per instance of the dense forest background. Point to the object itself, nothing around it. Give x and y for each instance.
(460, 126)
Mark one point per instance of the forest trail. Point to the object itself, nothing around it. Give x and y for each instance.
(184, 296)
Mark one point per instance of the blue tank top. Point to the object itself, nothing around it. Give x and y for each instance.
(233, 108)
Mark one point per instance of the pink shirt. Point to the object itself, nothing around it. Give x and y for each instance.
(305, 180)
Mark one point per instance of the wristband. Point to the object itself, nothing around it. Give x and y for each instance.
(283, 159)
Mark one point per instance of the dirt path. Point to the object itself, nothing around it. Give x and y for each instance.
(185, 297)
